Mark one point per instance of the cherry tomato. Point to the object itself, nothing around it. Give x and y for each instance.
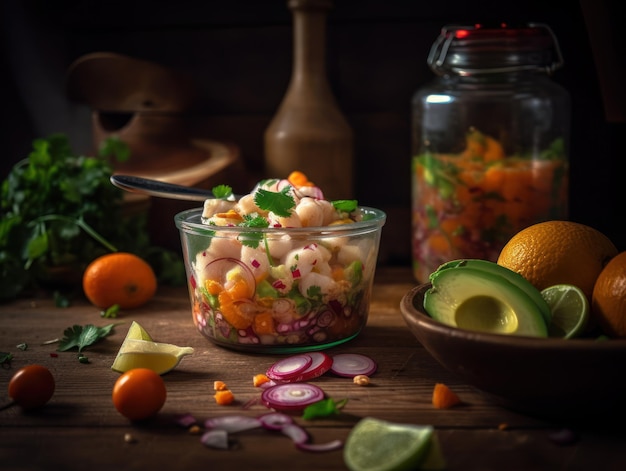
(139, 394)
(31, 386)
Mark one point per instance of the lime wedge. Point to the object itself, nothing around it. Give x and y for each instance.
(138, 350)
(136, 331)
(570, 310)
(378, 445)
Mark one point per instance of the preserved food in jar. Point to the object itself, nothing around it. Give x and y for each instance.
(490, 141)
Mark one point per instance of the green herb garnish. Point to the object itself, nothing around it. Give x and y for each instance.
(323, 408)
(345, 205)
(280, 202)
(5, 358)
(222, 191)
(83, 336)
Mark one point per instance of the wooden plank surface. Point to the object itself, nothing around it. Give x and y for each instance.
(80, 428)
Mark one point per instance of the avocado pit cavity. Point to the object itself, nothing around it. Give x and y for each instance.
(487, 314)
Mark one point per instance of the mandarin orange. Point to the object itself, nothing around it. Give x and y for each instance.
(608, 303)
(558, 252)
(119, 278)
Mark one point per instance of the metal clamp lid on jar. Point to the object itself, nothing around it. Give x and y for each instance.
(473, 50)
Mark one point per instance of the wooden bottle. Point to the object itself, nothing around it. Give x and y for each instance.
(309, 133)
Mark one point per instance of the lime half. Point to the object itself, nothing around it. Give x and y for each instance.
(378, 445)
(570, 310)
(138, 350)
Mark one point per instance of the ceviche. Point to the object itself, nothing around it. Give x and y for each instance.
(280, 268)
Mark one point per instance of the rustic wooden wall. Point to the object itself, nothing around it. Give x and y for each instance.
(239, 54)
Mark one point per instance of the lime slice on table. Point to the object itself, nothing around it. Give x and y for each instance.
(136, 331)
(378, 445)
(137, 351)
(570, 310)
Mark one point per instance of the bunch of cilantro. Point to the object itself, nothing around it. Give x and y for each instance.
(59, 211)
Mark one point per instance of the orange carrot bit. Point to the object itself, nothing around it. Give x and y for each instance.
(219, 385)
(224, 397)
(260, 379)
(299, 179)
(444, 397)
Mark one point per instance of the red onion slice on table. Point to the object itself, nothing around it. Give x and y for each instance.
(300, 438)
(232, 423)
(275, 420)
(291, 396)
(320, 364)
(215, 439)
(350, 365)
(289, 367)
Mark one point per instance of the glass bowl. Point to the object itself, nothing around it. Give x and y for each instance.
(280, 290)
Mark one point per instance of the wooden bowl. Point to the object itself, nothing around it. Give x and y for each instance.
(552, 378)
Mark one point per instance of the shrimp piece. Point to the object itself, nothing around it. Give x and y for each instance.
(279, 246)
(352, 252)
(221, 247)
(246, 205)
(279, 221)
(213, 206)
(304, 260)
(328, 287)
(313, 212)
(256, 260)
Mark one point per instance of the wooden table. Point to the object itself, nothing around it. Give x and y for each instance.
(80, 429)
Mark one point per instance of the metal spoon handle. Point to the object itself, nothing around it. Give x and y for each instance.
(160, 189)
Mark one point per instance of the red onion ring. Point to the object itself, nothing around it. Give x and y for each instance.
(291, 396)
(350, 365)
(275, 420)
(289, 367)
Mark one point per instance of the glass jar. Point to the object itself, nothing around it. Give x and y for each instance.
(490, 139)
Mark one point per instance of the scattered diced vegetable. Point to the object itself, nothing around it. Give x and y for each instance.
(444, 397)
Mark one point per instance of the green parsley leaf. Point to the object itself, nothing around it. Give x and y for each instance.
(22, 346)
(323, 408)
(110, 312)
(5, 358)
(345, 205)
(83, 336)
(252, 239)
(279, 202)
(222, 191)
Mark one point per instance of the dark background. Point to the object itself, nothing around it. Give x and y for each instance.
(239, 56)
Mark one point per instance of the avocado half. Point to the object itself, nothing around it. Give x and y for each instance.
(479, 300)
(507, 273)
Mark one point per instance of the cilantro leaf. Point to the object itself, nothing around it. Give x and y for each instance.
(222, 191)
(323, 408)
(252, 239)
(279, 202)
(82, 336)
(345, 205)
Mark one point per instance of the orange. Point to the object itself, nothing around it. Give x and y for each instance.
(608, 303)
(119, 278)
(558, 252)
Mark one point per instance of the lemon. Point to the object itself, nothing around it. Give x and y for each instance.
(570, 310)
(378, 445)
(138, 350)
